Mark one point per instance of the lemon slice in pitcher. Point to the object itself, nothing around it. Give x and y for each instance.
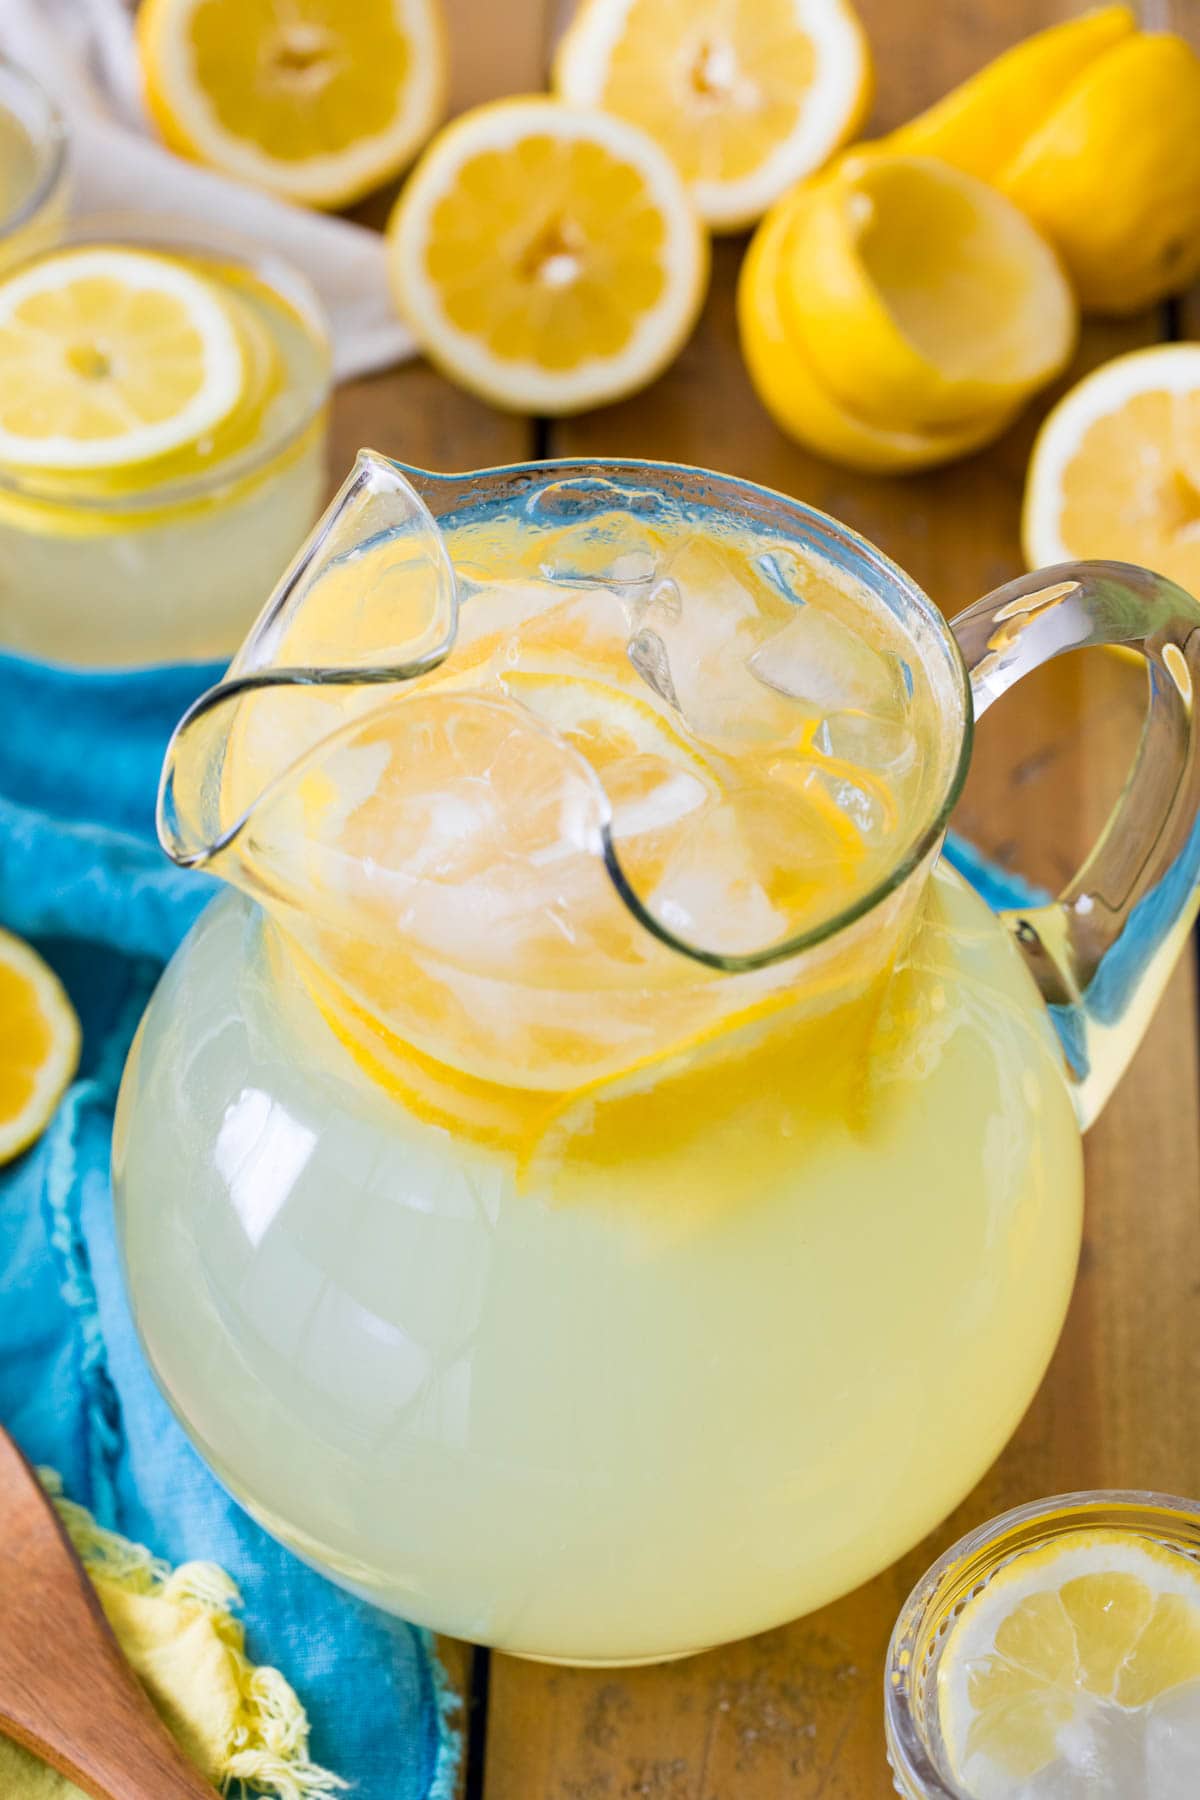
(1077, 1663)
(111, 357)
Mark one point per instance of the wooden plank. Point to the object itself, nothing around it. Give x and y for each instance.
(798, 1713)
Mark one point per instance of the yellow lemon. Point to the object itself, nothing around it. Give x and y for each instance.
(983, 123)
(1078, 1662)
(319, 102)
(1115, 471)
(786, 380)
(39, 1045)
(748, 96)
(547, 257)
(924, 297)
(1112, 176)
(111, 357)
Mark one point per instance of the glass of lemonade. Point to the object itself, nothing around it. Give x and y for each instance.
(163, 406)
(595, 1182)
(1054, 1654)
(33, 166)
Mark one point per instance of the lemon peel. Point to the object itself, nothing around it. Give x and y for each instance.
(925, 298)
(790, 388)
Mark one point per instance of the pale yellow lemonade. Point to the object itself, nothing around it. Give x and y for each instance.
(165, 556)
(551, 1286)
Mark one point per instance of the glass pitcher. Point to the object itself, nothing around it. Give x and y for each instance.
(595, 1182)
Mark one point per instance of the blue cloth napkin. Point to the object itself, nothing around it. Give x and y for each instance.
(81, 875)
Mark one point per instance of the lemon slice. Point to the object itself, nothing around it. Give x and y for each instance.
(110, 357)
(320, 102)
(547, 257)
(747, 96)
(1115, 471)
(39, 1045)
(789, 387)
(926, 298)
(652, 776)
(1076, 1672)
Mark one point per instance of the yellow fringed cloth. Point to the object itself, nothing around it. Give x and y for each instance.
(242, 1726)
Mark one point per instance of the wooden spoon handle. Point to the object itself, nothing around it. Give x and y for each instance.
(66, 1692)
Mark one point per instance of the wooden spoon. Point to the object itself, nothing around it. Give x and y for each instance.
(66, 1692)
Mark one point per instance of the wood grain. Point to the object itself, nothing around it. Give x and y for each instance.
(66, 1691)
(797, 1714)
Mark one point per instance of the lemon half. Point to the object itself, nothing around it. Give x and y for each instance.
(319, 102)
(39, 1045)
(925, 297)
(782, 370)
(1115, 471)
(747, 96)
(547, 257)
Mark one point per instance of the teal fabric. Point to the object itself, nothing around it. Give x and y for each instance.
(81, 875)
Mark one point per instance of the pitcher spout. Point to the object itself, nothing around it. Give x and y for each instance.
(369, 600)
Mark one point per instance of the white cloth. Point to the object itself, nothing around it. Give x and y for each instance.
(82, 52)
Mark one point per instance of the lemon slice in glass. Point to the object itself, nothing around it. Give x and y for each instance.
(111, 357)
(1075, 1673)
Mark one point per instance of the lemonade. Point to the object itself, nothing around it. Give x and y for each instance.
(33, 166)
(169, 456)
(521, 1236)
(1054, 1654)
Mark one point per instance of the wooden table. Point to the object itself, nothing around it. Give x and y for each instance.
(797, 1714)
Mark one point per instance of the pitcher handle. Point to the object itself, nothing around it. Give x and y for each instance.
(1101, 953)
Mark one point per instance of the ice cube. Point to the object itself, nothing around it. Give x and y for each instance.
(856, 801)
(708, 893)
(824, 664)
(609, 551)
(885, 746)
(1172, 1765)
